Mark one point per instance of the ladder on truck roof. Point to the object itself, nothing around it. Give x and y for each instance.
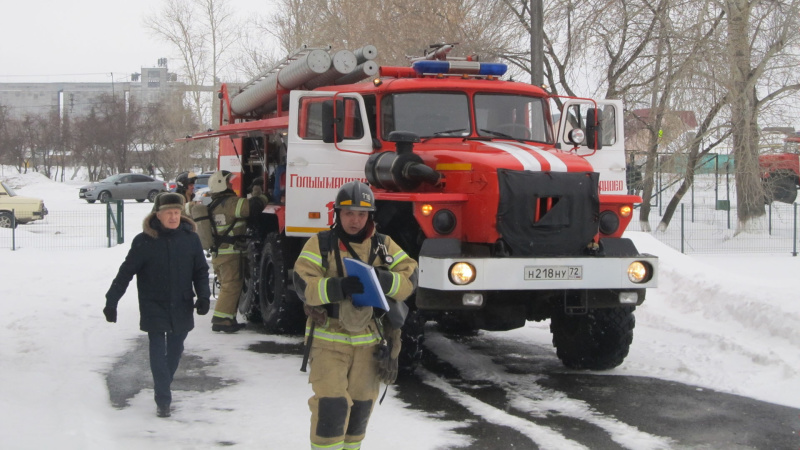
(294, 56)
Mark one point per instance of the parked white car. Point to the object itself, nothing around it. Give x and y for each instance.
(26, 209)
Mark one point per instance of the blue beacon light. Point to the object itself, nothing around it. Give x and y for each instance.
(459, 67)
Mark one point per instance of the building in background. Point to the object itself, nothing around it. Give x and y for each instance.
(152, 85)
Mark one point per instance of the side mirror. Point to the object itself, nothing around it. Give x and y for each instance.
(332, 128)
(594, 120)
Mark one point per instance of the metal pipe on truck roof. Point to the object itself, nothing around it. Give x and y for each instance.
(365, 53)
(365, 70)
(343, 62)
(292, 76)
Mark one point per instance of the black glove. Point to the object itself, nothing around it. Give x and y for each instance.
(351, 285)
(110, 313)
(202, 305)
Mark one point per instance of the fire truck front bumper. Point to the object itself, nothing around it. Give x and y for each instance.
(501, 274)
(468, 283)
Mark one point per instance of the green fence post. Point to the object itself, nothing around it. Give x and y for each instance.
(120, 222)
(13, 230)
(108, 223)
(794, 243)
(769, 219)
(682, 226)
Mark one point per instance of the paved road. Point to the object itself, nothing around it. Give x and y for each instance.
(514, 397)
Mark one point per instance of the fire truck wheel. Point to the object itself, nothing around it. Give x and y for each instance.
(413, 337)
(280, 312)
(597, 340)
(249, 301)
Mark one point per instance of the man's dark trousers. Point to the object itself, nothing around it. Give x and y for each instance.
(165, 354)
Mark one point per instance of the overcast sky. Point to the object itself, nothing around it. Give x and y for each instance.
(86, 40)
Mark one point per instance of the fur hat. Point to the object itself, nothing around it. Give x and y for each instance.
(167, 200)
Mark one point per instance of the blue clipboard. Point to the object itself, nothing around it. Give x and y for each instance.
(373, 294)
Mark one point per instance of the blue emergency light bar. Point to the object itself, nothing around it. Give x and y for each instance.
(459, 68)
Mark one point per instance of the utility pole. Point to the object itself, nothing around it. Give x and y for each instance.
(537, 43)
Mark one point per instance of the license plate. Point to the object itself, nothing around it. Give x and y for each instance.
(553, 272)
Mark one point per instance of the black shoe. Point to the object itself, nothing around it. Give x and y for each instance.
(163, 411)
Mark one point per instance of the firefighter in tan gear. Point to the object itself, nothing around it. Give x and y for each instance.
(347, 343)
(227, 213)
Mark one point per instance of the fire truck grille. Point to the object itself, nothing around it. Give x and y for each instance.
(547, 213)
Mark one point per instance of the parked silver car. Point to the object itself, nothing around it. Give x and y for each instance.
(123, 186)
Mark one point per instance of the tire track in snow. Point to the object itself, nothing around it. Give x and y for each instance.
(529, 398)
(544, 437)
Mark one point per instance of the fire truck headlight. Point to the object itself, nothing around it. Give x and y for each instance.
(639, 272)
(444, 221)
(609, 222)
(462, 273)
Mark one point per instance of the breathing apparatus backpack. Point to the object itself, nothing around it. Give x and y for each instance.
(202, 218)
(207, 229)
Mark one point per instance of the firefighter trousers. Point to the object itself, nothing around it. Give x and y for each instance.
(229, 274)
(346, 385)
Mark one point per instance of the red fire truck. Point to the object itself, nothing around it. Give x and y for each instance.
(514, 211)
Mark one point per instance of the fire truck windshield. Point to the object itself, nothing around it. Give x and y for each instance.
(426, 114)
(516, 116)
(431, 114)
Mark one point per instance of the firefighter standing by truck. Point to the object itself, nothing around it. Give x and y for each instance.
(227, 213)
(184, 185)
(351, 351)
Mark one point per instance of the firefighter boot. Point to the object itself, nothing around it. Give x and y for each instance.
(226, 325)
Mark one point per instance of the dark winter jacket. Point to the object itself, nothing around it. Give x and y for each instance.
(167, 263)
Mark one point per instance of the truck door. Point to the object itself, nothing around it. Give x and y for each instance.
(609, 161)
(317, 165)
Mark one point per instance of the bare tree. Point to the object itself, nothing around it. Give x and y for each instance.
(202, 32)
(398, 28)
(758, 32)
(89, 150)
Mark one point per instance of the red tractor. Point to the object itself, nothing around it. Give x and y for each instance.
(780, 172)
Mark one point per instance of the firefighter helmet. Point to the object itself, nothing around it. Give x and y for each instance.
(184, 179)
(356, 196)
(218, 181)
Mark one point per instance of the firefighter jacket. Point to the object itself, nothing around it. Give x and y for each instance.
(228, 215)
(167, 264)
(317, 287)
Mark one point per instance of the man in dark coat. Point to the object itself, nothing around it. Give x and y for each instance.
(168, 260)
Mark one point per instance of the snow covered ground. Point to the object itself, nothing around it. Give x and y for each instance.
(729, 323)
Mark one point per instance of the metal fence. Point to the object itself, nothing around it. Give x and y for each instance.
(706, 220)
(88, 228)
